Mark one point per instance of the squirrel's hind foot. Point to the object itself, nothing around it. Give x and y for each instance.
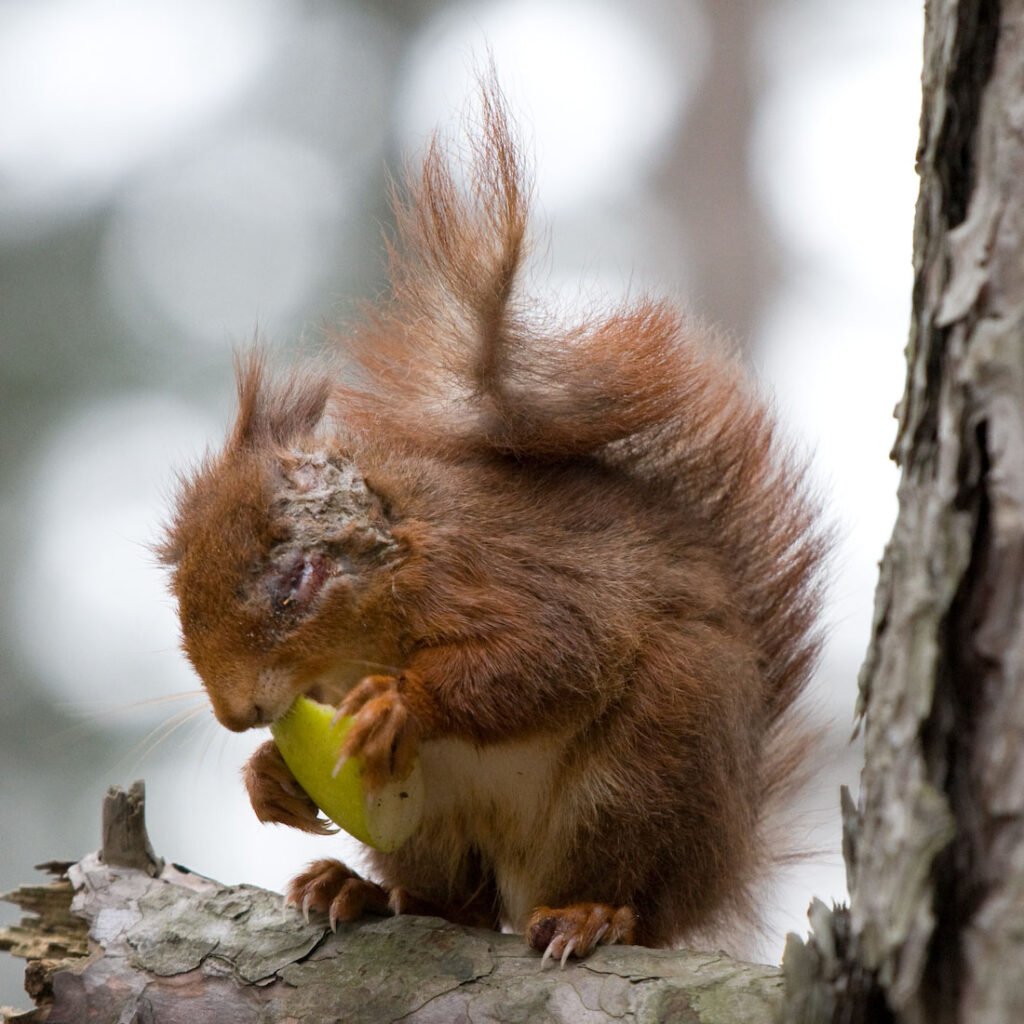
(576, 930)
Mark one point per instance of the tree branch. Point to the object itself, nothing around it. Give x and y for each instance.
(177, 947)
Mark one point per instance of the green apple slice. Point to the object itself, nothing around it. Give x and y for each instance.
(310, 743)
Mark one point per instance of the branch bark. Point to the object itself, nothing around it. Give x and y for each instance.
(114, 942)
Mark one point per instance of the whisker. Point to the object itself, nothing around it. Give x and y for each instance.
(94, 709)
(212, 735)
(393, 670)
(196, 724)
(156, 736)
(87, 721)
(189, 717)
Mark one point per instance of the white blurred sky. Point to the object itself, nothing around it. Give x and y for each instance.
(233, 172)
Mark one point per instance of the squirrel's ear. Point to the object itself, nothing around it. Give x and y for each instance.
(275, 412)
(250, 370)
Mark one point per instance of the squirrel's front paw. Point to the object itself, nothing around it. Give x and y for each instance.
(276, 796)
(384, 734)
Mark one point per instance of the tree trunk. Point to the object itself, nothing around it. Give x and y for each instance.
(935, 846)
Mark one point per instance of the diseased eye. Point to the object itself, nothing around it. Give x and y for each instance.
(294, 585)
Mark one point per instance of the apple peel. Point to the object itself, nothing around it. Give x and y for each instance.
(309, 741)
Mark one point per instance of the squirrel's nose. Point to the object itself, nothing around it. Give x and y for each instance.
(256, 700)
(238, 719)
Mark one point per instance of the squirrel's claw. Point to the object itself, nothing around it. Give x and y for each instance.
(383, 734)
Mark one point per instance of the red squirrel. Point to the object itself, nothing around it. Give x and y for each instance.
(571, 567)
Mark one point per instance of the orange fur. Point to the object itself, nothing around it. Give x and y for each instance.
(577, 557)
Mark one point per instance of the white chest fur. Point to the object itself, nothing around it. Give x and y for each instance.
(504, 799)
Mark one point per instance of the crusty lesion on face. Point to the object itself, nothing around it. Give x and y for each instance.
(330, 524)
(316, 522)
(324, 498)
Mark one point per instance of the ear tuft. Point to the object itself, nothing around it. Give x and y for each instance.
(275, 412)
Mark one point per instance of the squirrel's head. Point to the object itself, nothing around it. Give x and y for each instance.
(279, 555)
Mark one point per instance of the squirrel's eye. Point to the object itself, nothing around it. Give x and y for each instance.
(294, 585)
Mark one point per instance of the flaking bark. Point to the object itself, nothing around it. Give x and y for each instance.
(935, 844)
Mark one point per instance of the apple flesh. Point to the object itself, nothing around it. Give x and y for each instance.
(309, 741)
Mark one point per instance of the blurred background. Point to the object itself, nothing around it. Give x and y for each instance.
(176, 175)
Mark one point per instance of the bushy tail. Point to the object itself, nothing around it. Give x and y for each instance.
(467, 359)
(459, 361)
